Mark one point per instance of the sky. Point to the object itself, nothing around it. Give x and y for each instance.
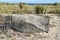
(31, 1)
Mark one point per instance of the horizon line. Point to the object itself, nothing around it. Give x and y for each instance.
(30, 3)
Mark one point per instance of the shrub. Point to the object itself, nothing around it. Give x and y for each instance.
(55, 4)
(21, 5)
(39, 9)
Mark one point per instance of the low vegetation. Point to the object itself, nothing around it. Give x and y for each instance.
(56, 11)
(39, 9)
(29, 9)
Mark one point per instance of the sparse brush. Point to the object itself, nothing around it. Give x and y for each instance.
(26, 10)
(55, 11)
(39, 9)
(21, 5)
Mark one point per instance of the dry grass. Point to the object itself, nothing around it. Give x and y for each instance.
(10, 9)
